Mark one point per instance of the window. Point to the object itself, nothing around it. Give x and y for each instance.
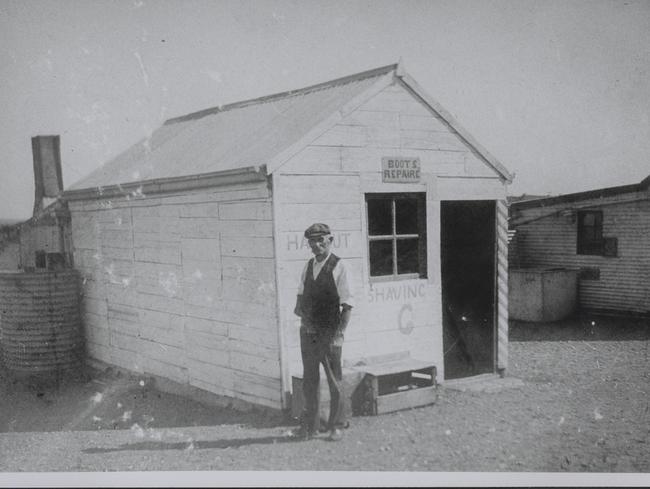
(397, 245)
(40, 259)
(590, 233)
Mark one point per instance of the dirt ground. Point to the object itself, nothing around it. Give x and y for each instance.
(583, 406)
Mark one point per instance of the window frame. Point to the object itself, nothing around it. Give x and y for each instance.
(588, 246)
(394, 237)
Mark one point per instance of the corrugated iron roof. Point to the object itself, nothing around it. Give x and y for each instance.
(243, 134)
(601, 193)
(249, 134)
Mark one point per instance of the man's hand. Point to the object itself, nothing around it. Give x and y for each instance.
(346, 312)
(298, 309)
(337, 339)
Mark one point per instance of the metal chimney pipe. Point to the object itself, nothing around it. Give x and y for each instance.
(48, 179)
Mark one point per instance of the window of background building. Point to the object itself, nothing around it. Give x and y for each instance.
(590, 232)
(397, 245)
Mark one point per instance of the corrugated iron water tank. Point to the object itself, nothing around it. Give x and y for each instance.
(40, 321)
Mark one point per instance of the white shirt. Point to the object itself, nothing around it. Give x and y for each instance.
(340, 279)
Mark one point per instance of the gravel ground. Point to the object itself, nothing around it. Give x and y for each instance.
(583, 407)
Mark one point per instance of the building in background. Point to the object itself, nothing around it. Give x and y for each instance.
(42, 241)
(603, 233)
(9, 245)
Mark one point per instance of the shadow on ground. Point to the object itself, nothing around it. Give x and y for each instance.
(196, 445)
(583, 327)
(108, 400)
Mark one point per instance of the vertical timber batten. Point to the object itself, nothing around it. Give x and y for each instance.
(502, 285)
(434, 268)
(285, 375)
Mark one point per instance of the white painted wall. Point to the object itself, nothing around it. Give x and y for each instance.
(183, 286)
(326, 182)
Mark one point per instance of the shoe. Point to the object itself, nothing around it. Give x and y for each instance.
(335, 435)
(325, 429)
(301, 434)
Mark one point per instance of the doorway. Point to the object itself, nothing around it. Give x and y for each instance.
(467, 256)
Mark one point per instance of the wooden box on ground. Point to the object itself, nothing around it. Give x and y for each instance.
(376, 385)
(391, 386)
(542, 294)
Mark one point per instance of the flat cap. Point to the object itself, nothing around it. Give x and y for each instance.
(317, 229)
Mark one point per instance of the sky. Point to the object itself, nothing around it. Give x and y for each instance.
(557, 91)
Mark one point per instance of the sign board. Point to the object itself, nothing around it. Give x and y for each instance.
(400, 170)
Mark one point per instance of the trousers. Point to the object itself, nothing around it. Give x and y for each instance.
(317, 348)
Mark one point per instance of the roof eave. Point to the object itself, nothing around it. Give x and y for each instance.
(173, 184)
(455, 126)
(600, 193)
(327, 123)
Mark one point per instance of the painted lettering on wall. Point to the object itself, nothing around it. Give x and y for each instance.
(396, 292)
(405, 319)
(298, 241)
(400, 170)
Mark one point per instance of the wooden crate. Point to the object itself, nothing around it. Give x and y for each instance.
(396, 385)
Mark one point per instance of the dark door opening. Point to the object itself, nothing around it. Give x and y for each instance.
(467, 255)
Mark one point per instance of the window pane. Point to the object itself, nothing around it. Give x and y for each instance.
(406, 216)
(590, 232)
(379, 217)
(407, 256)
(598, 226)
(381, 258)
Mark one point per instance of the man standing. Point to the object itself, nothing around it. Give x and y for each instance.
(324, 304)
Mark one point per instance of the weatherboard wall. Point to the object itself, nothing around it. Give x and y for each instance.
(326, 182)
(9, 254)
(183, 286)
(547, 237)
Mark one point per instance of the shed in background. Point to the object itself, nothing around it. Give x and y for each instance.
(190, 242)
(40, 326)
(9, 245)
(44, 240)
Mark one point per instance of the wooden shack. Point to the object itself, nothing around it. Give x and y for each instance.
(191, 242)
(602, 233)
(9, 245)
(43, 240)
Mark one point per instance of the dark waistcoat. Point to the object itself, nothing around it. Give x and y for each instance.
(320, 297)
